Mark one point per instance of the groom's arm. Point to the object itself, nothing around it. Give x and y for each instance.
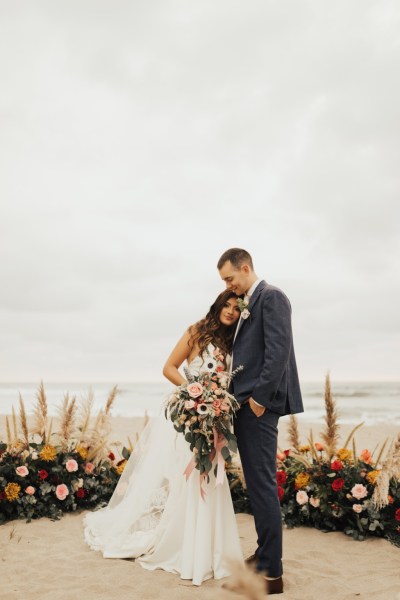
(278, 343)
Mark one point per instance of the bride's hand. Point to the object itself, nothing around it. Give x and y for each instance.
(256, 408)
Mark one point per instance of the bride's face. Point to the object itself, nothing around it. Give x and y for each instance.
(230, 312)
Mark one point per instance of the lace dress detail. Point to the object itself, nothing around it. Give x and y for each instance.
(158, 517)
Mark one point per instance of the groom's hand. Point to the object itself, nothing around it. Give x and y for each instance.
(256, 408)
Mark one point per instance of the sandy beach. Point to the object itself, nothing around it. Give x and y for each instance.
(46, 560)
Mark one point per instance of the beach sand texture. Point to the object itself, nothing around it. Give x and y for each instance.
(46, 560)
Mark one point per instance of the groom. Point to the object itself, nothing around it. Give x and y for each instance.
(266, 388)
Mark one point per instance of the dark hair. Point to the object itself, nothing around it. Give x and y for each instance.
(237, 256)
(211, 330)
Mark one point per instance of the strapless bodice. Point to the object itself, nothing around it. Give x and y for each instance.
(206, 361)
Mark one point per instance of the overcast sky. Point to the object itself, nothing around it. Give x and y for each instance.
(139, 140)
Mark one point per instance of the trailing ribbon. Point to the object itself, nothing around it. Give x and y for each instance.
(219, 443)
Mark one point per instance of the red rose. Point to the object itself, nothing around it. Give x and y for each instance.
(111, 456)
(80, 493)
(281, 477)
(397, 514)
(281, 492)
(336, 465)
(337, 484)
(2, 495)
(43, 474)
(286, 453)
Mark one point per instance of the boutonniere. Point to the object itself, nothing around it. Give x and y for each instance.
(243, 307)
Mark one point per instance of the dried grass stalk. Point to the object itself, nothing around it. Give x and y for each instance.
(85, 412)
(8, 433)
(40, 413)
(23, 423)
(381, 452)
(67, 423)
(390, 469)
(49, 430)
(14, 422)
(352, 432)
(331, 433)
(96, 437)
(293, 432)
(245, 582)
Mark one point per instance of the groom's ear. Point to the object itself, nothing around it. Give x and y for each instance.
(245, 268)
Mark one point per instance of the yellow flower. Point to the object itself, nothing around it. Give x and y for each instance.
(83, 452)
(48, 453)
(304, 449)
(344, 454)
(12, 491)
(372, 476)
(302, 480)
(121, 466)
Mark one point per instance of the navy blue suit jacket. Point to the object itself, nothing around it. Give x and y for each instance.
(264, 347)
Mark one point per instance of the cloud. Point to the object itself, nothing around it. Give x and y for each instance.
(139, 142)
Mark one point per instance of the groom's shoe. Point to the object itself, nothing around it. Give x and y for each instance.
(274, 586)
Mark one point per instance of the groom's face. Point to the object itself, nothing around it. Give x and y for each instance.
(236, 280)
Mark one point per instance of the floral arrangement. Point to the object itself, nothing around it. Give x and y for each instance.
(202, 410)
(46, 474)
(336, 493)
(334, 488)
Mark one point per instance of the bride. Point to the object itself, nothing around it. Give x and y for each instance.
(155, 515)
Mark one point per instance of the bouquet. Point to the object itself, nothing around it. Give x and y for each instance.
(203, 410)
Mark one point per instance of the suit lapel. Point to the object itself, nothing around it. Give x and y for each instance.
(253, 299)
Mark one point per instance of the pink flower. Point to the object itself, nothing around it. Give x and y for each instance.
(219, 369)
(302, 497)
(71, 465)
(189, 404)
(366, 456)
(214, 386)
(319, 446)
(22, 471)
(218, 392)
(315, 502)
(216, 404)
(281, 456)
(194, 389)
(225, 406)
(89, 468)
(30, 490)
(359, 491)
(357, 508)
(62, 491)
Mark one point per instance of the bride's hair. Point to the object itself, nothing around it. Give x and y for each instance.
(210, 330)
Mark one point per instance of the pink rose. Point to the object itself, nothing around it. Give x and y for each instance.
(194, 389)
(22, 471)
(89, 468)
(302, 497)
(357, 508)
(189, 404)
(315, 502)
(218, 392)
(366, 456)
(62, 491)
(216, 404)
(281, 456)
(359, 491)
(319, 446)
(71, 465)
(30, 490)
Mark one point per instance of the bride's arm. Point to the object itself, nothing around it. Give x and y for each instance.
(181, 352)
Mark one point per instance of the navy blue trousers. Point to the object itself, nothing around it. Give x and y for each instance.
(257, 442)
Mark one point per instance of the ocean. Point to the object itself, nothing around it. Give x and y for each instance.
(373, 403)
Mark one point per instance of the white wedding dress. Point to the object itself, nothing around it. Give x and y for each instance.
(159, 518)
